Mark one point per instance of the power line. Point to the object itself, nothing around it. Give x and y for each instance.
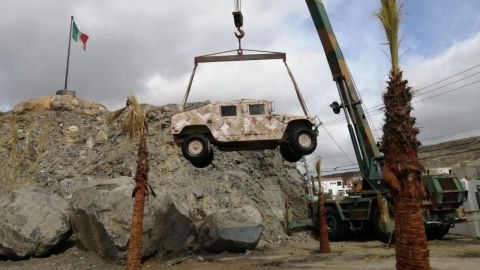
(449, 77)
(445, 92)
(378, 106)
(342, 120)
(445, 85)
(451, 134)
(340, 170)
(367, 111)
(338, 145)
(340, 167)
(369, 119)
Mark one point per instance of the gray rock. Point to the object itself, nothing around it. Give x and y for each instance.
(258, 178)
(234, 229)
(33, 222)
(101, 219)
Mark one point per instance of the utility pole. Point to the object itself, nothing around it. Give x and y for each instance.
(308, 180)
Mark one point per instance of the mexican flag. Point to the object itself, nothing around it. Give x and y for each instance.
(79, 37)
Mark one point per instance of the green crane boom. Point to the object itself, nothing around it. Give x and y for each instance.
(364, 143)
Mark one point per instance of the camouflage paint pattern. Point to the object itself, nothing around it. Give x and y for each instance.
(242, 127)
(367, 144)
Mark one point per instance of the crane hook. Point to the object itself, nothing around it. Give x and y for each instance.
(241, 33)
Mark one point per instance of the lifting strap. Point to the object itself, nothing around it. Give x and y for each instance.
(259, 55)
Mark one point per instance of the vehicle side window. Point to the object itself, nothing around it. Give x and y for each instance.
(256, 109)
(230, 110)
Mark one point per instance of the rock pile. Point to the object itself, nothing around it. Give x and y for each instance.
(62, 145)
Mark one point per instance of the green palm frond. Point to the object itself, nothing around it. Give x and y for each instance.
(390, 14)
(134, 122)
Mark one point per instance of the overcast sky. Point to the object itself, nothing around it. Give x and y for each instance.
(146, 47)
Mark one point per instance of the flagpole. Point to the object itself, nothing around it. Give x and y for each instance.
(68, 55)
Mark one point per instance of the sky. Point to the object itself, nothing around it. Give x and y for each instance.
(146, 47)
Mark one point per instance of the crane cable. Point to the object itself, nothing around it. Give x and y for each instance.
(238, 21)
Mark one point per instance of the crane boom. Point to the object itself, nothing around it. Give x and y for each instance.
(444, 195)
(361, 134)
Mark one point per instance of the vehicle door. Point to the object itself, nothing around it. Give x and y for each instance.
(256, 121)
(229, 125)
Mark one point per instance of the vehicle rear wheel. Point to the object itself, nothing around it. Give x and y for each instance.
(195, 149)
(337, 228)
(288, 155)
(436, 232)
(303, 140)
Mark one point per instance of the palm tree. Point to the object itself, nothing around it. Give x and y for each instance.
(402, 170)
(322, 215)
(135, 125)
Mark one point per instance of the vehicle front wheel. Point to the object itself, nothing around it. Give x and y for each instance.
(303, 140)
(436, 232)
(195, 149)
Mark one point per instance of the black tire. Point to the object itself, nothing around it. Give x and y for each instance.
(195, 148)
(337, 228)
(436, 232)
(302, 140)
(288, 155)
(380, 233)
(205, 162)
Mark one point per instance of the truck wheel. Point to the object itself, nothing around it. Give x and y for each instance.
(337, 228)
(288, 155)
(380, 231)
(205, 162)
(302, 140)
(436, 232)
(195, 148)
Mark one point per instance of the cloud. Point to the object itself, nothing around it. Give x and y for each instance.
(147, 47)
(441, 117)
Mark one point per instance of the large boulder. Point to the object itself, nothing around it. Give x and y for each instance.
(32, 222)
(102, 213)
(233, 229)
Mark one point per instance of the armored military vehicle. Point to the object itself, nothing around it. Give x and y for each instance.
(242, 125)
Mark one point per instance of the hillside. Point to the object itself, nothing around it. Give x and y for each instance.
(463, 156)
(50, 139)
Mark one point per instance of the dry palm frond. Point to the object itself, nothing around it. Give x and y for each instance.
(114, 115)
(134, 123)
(390, 15)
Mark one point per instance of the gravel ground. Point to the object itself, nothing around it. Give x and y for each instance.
(299, 252)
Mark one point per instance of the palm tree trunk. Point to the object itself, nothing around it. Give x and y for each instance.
(140, 191)
(403, 174)
(410, 242)
(136, 232)
(323, 235)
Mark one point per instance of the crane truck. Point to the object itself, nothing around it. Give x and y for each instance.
(371, 205)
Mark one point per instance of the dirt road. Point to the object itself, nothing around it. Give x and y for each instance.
(453, 252)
